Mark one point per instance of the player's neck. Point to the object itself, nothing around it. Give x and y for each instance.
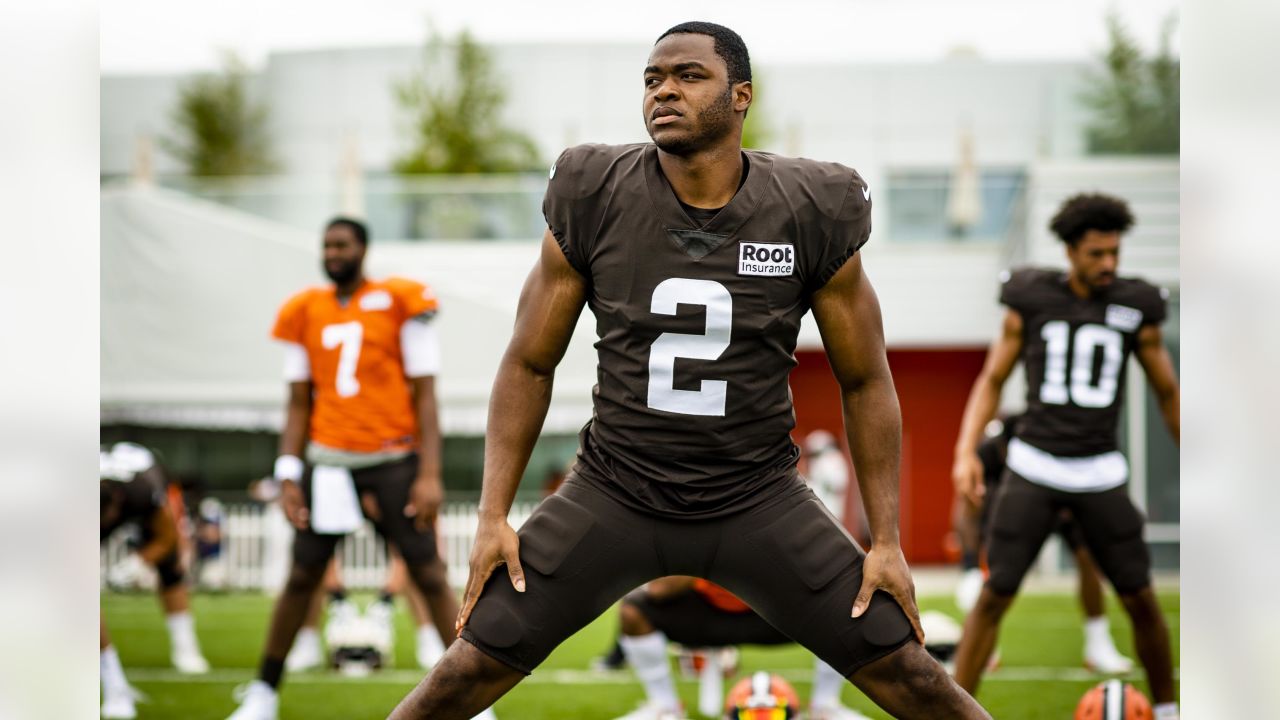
(349, 288)
(706, 179)
(1078, 286)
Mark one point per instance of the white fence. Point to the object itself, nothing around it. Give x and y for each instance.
(256, 542)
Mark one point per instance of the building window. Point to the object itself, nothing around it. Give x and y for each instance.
(918, 204)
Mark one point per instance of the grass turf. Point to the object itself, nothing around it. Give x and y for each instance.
(1040, 674)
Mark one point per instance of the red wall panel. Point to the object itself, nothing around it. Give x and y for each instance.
(932, 388)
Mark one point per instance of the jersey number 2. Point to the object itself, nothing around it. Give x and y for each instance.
(348, 336)
(709, 399)
(1083, 390)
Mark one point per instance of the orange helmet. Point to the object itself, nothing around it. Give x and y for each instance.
(1113, 700)
(762, 697)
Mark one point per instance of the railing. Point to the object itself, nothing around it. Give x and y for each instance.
(256, 541)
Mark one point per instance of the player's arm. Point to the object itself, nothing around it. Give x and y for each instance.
(164, 527)
(1155, 361)
(984, 400)
(550, 303)
(848, 315)
(293, 440)
(427, 493)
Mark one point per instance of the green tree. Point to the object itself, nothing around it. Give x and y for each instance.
(218, 129)
(1135, 100)
(455, 102)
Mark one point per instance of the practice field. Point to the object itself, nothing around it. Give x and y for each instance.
(1040, 676)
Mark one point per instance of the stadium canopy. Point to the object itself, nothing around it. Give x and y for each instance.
(190, 289)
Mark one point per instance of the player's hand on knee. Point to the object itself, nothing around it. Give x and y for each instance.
(293, 504)
(496, 544)
(966, 474)
(886, 569)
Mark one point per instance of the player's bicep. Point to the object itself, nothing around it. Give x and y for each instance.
(1004, 352)
(848, 314)
(550, 303)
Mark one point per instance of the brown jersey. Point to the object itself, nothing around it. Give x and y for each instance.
(1075, 352)
(697, 325)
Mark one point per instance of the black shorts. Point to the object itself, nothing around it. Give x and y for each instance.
(788, 558)
(388, 485)
(1067, 528)
(1024, 514)
(687, 618)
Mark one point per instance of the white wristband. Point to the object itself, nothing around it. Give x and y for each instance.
(288, 467)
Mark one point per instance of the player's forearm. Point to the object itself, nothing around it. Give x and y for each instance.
(1171, 411)
(983, 402)
(517, 409)
(876, 446)
(430, 444)
(297, 416)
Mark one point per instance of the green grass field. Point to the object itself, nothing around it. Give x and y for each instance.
(1040, 675)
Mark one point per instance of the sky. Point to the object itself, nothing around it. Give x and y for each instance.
(164, 36)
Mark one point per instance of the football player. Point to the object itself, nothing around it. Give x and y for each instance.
(1073, 332)
(698, 260)
(698, 613)
(132, 490)
(1100, 653)
(361, 357)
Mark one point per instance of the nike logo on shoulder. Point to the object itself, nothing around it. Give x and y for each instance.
(866, 193)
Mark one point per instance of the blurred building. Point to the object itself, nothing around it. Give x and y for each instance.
(966, 159)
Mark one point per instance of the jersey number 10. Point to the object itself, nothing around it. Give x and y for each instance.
(1083, 391)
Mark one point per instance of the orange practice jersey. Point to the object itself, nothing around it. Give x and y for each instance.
(719, 598)
(361, 399)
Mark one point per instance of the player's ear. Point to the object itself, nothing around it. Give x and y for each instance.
(742, 95)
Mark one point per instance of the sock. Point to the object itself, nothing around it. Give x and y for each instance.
(1166, 711)
(271, 672)
(182, 632)
(969, 560)
(647, 655)
(1097, 632)
(307, 636)
(827, 684)
(429, 641)
(113, 680)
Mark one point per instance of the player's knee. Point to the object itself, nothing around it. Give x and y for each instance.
(303, 579)
(632, 619)
(169, 572)
(992, 604)
(431, 578)
(1142, 606)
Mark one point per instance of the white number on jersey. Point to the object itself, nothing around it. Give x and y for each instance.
(348, 336)
(1084, 391)
(663, 395)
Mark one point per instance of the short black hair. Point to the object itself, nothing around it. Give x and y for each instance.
(729, 46)
(357, 227)
(1090, 211)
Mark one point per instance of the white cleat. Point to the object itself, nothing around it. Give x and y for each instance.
(649, 711)
(969, 589)
(258, 701)
(835, 712)
(306, 653)
(1104, 658)
(119, 704)
(189, 662)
